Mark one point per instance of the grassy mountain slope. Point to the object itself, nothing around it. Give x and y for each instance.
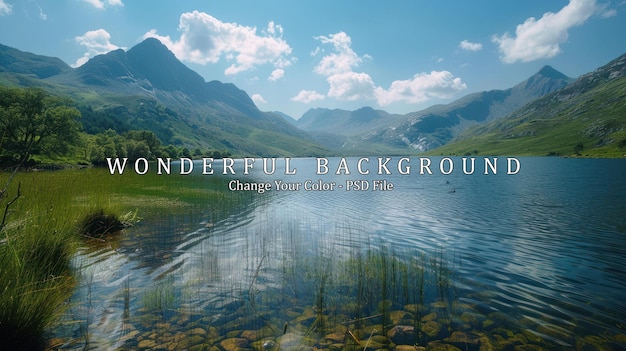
(586, 118)
(344, 131)
(437, 125)
(147, 87)
(344, 122)
(368, 131)
(16, 61)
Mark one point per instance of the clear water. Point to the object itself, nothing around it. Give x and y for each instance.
(544, 249)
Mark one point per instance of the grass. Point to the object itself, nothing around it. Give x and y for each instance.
(590, 124)
(36, 275)
(43, 231)
(362, 290)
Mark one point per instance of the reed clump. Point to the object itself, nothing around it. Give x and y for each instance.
(36, 279)
(99, 223)
(39, 237)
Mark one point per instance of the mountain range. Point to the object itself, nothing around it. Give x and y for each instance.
(585, 118)
(147, 87)
(430, 128)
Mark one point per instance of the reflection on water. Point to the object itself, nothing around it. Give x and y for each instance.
(538, 255)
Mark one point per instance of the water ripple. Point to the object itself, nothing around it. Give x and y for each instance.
(547, 246)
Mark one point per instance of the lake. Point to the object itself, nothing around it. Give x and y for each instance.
(531, 258)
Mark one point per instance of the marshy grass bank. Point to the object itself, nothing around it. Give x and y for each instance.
(38, 242)
(49, 216)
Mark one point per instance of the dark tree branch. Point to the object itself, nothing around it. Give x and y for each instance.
(8, 205)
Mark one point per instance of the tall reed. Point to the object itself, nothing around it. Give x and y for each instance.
(36, 278)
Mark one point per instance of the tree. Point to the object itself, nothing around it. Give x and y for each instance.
(147, 136)
(33, 122)
(107, 144)
(578, 148)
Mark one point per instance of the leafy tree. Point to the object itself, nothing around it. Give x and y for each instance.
(134, 144)
(107, 144)
(578, 148)
(171, 151)
(137, 149)
(185, 152)
(146, 136)
(32, 122)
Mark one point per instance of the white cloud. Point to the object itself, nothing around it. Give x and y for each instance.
(205, 39)
(97, 42)
(348, 85)
(538, 39)
(351, 86)
(338, 68)
(5, 9)
(308, 96)
(277, 74)
(101, 4)
(316, 51)
(469, 46)
(609, 13)
(42, 15)
(342, 60)
(274, 29)
(606, 12)
(423, 87)
(258, 99)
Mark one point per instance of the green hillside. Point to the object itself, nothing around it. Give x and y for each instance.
(587, 118)
(148, 88)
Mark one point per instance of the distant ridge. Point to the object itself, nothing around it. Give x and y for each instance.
(344, 122)
(549, 72)
(437, 125)
(430, 128)
(587, 117)
(20, 62)
(147, 87)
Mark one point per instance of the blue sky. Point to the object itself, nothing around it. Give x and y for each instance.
(400, 56)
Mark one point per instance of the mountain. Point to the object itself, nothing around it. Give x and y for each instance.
(366, 130)
(437, 125)
(587, 117)
(344, 122)
(343, 130)
(286, 117)
(25, 63)
(147, 87)
(150, 68)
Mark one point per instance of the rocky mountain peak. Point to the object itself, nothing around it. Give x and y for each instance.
(549, 72)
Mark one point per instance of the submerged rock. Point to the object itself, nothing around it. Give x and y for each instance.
(528, 348)
(398, 317)
(371, 345)
(290, 341)
(402, 334)
(443, 347)
(147, 344)
(197, 331)
(464, 341)
(336, 337)
(269, 345)
(409, 348)
(234, 344)
(431, 329)
(190, 341)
